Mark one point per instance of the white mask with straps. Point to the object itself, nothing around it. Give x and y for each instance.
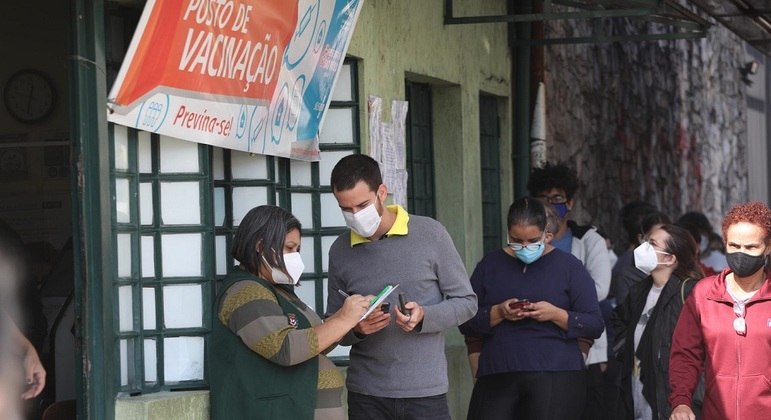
(364, 222)
(294, 266)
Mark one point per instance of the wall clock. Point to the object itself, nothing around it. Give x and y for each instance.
(29, 96)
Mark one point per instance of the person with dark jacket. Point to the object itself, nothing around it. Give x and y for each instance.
(645, 321)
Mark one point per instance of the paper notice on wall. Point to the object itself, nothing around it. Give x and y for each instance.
(388, 142)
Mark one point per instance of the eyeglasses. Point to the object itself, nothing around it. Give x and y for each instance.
(740, 325)
(553, 199)
(530, 247)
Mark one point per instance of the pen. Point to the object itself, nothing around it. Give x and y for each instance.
(343, 293)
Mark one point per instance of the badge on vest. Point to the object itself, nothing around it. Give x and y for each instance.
(292, 318)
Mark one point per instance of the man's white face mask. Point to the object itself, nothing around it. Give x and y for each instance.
(364, 222)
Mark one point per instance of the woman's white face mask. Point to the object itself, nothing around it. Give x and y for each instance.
(645, 258)
(364, 222)
(294, 266)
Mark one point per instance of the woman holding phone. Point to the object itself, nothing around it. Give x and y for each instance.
(535, 301)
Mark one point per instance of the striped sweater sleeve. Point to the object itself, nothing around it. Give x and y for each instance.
(252, 312)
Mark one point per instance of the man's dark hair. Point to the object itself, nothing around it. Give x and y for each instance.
(527, 211)
(263, 228)
(553, 176)
(697, 220)
(653, 219)
(632, 215)
(354, 168)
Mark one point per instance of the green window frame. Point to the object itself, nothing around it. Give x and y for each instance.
(227, 183)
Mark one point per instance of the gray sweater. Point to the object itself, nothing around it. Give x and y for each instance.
(392, 363)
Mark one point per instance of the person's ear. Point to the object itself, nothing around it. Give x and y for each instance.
(569, 204)
(382, 193)
(548, 237)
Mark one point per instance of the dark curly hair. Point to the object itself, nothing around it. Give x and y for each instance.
(753, 212)
(553, 176)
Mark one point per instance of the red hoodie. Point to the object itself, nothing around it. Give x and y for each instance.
(737, 368)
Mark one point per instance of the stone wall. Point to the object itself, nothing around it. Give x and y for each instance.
(661, 121)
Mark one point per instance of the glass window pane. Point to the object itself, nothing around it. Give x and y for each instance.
(218, 163)
(302, 208)
(124, 255)
(124, 362)
(120, 136)
(328, 161)
(180, 203)
(122, 204)
(151, 360)
(146, 203)
(307, 252)
(181, 255)
(306, 291)
(148, 256)
(178, 155)
(344, 85)
(331, 216)
(148, 308)
(182, 306)
(326, 243)
(245, 199)
(145, 161)
(300, 172)
(183, 358)
(339, 350)
(219, 207)
(220, 244)
(125, 309)
(338, 126)
(244, 165)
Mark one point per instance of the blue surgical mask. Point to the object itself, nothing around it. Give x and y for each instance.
(529, 256)
(561, 209)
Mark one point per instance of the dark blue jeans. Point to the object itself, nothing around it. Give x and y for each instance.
(367, 407)
(529, 396)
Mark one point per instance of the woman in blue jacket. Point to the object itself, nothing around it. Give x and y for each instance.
(535, 301)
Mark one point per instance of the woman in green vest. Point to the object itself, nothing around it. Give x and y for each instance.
(267, 347)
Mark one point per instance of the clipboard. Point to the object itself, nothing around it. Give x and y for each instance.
(379, 299)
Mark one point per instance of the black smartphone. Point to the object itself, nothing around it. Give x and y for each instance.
(403, 303)
(385, 307)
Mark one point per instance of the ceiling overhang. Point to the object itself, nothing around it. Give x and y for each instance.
(750, 19)
(669, 19)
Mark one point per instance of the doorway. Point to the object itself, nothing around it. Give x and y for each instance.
(36, 195)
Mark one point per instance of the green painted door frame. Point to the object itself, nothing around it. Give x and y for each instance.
(91, 213)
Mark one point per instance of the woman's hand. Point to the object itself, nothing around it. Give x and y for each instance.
(511, 309)
(544, 311)
(682, 412)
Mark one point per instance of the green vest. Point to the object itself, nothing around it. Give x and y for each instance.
(244, 385)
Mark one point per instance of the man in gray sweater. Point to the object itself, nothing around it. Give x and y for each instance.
(398, 368)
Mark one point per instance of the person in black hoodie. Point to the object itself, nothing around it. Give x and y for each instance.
(644, 322)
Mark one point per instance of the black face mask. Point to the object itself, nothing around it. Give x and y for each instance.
(744, 265)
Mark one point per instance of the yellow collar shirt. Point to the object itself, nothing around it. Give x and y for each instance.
(400, 226)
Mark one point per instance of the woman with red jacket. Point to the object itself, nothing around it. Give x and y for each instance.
(725, 328)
